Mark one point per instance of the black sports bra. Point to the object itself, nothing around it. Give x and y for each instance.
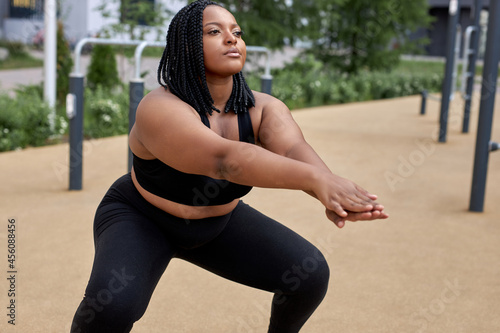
(189, 189)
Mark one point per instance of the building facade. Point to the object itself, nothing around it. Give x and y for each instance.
(23, 20)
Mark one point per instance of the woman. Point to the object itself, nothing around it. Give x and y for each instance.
(200, 142)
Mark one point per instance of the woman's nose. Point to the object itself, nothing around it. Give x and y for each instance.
(231, 39)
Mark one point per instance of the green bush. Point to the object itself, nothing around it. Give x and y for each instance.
(24, 120)
(106, 114)
(102, 69)
(16, 49)
(306, 82)
(64, 64)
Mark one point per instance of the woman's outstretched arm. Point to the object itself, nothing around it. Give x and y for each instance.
(282, 135)
(172, 132)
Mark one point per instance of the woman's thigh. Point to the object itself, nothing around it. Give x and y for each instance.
(131, 254)
(257, 251)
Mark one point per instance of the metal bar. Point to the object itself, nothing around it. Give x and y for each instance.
(424, 102)
(448, 76)
(138, 55)
(471, 68)
(465, 59)
(266, 79)
(454, 77)
(76, 133)
(488, 91)
(79, 46)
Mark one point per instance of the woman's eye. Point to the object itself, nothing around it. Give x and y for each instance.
(238, 33)
(213, 32)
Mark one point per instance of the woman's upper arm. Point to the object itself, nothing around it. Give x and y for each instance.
(278, 130)
(173, 132)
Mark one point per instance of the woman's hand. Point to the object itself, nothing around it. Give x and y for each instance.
(377, 213)
(341, 195)
(346, 201)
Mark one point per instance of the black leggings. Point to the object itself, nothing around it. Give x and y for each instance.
(134, 242)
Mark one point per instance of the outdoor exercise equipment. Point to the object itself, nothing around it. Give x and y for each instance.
(484, 145)
(75, 99)
(471, 50)
(451, 69)
(450, 72)
(466, 81)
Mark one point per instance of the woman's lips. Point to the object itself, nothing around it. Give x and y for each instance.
(233, 52)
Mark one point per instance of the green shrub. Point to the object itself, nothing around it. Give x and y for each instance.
(106, 114)
(102, 69)
(16, 49)
(306, 82)
(24, 120)
(64, 64)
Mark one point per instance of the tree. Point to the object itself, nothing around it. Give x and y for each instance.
(64, 64)
(102, 69)
(357, 34)
(270, 23)
(134, 18)
(348, 34)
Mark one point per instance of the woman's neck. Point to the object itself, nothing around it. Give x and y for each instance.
(220, 90)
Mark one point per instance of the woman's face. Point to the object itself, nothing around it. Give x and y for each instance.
(224, 50)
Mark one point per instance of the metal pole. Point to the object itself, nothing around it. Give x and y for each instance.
(266, 80)
(50, 57)
(471, 53)
(448, 75)
(488, 90)
(424, 102)
(75, 115)
(136, 90)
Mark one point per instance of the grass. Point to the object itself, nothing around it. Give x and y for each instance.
(417, 66)
(413, 66)
(129, 51)
(20, 61)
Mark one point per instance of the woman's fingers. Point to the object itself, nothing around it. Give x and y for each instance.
(355, 204)
(335, 218)
(355, 216)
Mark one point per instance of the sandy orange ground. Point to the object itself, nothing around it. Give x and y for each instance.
(432, 267)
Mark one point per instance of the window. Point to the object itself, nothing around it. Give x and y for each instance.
(28, 9)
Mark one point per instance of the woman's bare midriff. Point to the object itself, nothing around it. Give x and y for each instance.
(180, 210)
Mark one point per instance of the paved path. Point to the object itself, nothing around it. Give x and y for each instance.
(432, 267)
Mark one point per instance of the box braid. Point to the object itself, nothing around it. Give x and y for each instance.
(182, 67)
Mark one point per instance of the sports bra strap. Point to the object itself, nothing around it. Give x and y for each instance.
(245, 127)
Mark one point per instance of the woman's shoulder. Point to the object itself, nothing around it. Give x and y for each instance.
(162, 96)
(162, 100)
(263, 101)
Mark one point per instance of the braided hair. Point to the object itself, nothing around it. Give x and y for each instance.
(182, 68)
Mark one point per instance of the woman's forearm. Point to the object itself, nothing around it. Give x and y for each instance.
(252, 165)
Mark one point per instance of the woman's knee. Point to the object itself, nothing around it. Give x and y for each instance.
(309, 275)
(115, 304)
(105, 314)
